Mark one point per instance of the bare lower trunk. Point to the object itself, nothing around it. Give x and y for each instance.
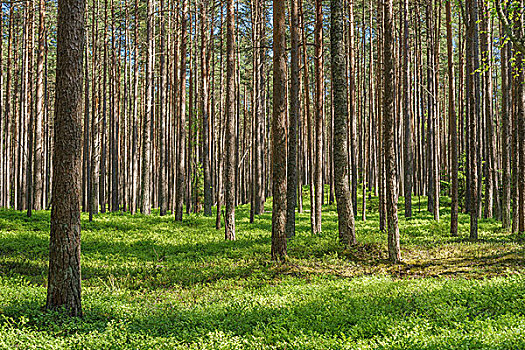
(452, 128)
(64, 249)
(342, 189)
(148, 115)
(388, 136)
(229, 164)
(295, 113)
(181, 164)
(279, 132)
(319, 115)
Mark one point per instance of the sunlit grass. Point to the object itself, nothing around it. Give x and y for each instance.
(152, 283)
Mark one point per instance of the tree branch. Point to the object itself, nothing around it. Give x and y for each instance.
(519, 43)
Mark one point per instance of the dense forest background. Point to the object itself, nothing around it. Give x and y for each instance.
(169, 124)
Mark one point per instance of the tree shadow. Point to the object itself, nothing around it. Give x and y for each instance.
(378, 311)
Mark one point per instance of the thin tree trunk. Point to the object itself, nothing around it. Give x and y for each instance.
(452, 127)
(146, 127)
(319, 115)
(472, 92)
(229, 164)
(295, 112)
(352, 105)
(204, 110)
(162, 168)
(309, 125)
(181, 175)
(408, 165)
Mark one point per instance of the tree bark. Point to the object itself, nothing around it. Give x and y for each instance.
(343, 193)
(229, 164)
(295, 112)
(409, 162)
(162, 168)
(279, 132)
(319, 115)
(64, 249)
(505, 137)
(452, 127)
(473, 113)
(148, 115)
(181, 164)
(204, 110)
(388, 135)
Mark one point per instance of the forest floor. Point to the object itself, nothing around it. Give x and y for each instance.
(153, 283)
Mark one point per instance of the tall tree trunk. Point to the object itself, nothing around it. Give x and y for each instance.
(86, 159)
(204, 110)
(295, 112)
(7, 111)
(103, 141)
(388, 135)
(135, 141)
(29, 110)
(309, 125)
(221, 128)
(146, 127)
(488, 141)
(520, 111)
(473, 112)
(181, 165)
(352, 105)
(115, 115)
(259, 111)
(452, 127)
(319, 115)
(64, 250)
(3, 132)
(343, 193)
(279, 132)
(95, 125)
(380, 87)
(408, 164)
(506, 85)
(229, 164)
(162, 168)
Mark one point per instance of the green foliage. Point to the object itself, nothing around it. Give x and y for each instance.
(152, 283)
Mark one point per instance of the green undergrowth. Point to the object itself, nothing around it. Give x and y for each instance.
(153, 283)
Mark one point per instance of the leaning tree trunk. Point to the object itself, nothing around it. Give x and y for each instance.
(343, 193)
(64, 250)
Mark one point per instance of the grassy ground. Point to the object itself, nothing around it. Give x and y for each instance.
(152, 283)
